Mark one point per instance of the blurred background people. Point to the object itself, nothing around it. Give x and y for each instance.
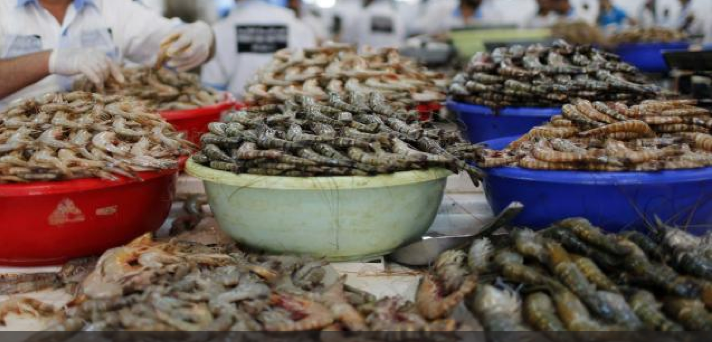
(550, 12)
(612, 15)
(246, 41)
(342, 15)
(460, 14)
(586, 10)
(377, 25)
(190, 10)
(647, 14)
(310, 19)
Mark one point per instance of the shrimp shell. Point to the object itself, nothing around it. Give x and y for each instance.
(529, 244)
(633, 126)
(605, 109)
(593, 235)
(498, 310)
(574, 314)
(647, 308)
(561, 265)
(689, 312)
(539, 311)
(572, 113)
(498, 162)
(594, 274)
(532, 163)
(479, 257)
(622, 312)
(450, 269)
(674, 128)
(686, 111)
(586, 108)
(432, 305)
(543, 151)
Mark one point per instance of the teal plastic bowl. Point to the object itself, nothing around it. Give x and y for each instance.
(337, 218)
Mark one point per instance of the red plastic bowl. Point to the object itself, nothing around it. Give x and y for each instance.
(194, 122)
(426, 110)
(49, 223)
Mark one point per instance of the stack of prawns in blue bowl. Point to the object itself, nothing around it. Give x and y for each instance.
(622, 167)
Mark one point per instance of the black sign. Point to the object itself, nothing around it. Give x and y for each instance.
(381, 24)
(261, 38)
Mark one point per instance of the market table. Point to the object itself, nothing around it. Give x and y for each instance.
(463, 207)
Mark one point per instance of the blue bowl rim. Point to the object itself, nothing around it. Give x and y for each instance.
(596, 177)
(475, 109)
(655, 46)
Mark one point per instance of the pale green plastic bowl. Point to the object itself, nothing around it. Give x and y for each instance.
(337, 218)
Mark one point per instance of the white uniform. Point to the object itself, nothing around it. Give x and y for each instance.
(343, 15)
(447, 17)
(538, 21)
(586, 10)
(378, 25)
(121, 28)
(315, 24)
(246, 40)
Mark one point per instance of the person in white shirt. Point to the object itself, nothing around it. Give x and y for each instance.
(246, 41)
(462, 14)
(45, 43)
(378, 25)
(312, 21)
(550, 12)
(342, 16)
(647, 14)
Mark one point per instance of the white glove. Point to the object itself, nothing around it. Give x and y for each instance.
(188, 46)
(92, 63)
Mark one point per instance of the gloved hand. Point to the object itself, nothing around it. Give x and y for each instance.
(92, 63)
(188, 46)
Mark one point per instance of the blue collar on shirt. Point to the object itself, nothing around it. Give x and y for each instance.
(477, 15)
(78, 4)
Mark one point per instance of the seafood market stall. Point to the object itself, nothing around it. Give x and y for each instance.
(297, 212)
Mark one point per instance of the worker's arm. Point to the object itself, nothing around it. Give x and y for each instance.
(28, 69)
(20, 72)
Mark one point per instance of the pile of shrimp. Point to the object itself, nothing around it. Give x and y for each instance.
(358, 135)
(175, 285)
(340, 68)
(653, 135)
(548, 76)
(574, 277)
(162, 90)
(648, 35)
(579, 32)
(84, 135)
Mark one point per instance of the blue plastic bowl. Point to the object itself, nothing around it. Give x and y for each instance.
(648, 57)
(614, 200)
(484, 123)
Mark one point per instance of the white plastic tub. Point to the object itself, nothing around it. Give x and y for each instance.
(338, 218)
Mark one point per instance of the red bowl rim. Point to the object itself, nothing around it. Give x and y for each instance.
(198, 112)
(79, 185)
(75, 185)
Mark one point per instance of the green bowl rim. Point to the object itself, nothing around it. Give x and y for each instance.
(313, 183)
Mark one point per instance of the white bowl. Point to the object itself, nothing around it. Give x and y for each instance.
(337, 218)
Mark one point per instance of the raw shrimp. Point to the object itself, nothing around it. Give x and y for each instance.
(499, 310)
(566, 271)
(315, 315)
(540, 313)
(647, 308)
(432, 304)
